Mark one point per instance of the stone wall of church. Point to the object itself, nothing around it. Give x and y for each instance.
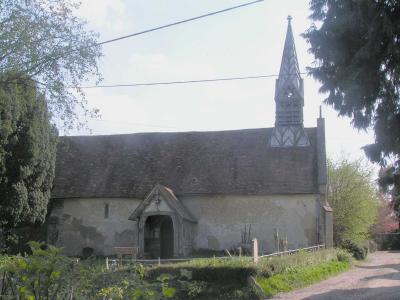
(221, 220)
(103, 223)
(100, 224)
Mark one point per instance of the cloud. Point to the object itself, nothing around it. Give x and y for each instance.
(158, 65)
(104, 15)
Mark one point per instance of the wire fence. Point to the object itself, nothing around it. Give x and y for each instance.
(110, 263)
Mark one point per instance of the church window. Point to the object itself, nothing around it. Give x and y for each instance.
(106, 210)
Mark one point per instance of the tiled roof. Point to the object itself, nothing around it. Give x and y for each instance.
(236, 162)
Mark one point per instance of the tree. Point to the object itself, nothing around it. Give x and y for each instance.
(386, 220)
(389, 180)
(354, 200)
(27, 156)
(44, 41)
(356, 46)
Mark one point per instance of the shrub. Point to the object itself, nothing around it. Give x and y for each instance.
(209, 274)
(344, 256)
(358, 250)
(275, 265)
(372, 246)
(43, 275)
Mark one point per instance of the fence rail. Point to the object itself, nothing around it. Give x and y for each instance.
(309, 249)
(178, 260)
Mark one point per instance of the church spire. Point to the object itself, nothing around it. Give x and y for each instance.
(289, 80)
(289, 98)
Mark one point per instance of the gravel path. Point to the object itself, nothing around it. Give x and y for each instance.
(376, 279)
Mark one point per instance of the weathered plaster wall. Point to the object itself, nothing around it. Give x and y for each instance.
(82, 223)
(221, 219)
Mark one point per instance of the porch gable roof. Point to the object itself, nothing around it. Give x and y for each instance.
(172, 201)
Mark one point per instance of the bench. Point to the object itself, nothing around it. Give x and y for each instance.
(121, 251)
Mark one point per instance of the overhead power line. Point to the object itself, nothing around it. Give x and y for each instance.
(183, 81)
(179, 22)
(147, 31)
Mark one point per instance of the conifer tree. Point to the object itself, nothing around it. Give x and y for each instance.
(27, 155)
(356, 45)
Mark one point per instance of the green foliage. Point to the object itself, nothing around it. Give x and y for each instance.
(43, 275)
(344, 256)
(300, 277)
(131, 288)
(357, 61)
(47, 42)
(358, 250)
(194, 288)
(275, 265)
(227, 278)
(46, 274)
(354, 199)
(209, 270)
(27, 157)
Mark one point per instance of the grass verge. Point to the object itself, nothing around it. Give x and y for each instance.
(228, 278)
(300, 277)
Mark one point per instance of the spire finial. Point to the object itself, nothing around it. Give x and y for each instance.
(289, 18)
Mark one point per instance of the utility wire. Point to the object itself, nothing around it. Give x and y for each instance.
(184, 81)
(149, 30)
(178, 22)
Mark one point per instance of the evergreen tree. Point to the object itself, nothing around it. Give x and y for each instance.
(356, 45)
(27, 155)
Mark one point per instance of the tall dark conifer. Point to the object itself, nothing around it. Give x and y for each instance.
(356, 45)
(27, 155)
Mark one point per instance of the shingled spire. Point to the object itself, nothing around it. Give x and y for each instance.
(289, 99)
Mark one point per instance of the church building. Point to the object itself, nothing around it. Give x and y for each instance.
(169, 194)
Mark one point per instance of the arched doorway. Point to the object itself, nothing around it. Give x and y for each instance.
(159, 237)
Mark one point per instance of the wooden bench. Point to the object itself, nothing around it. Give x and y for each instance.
(121, 251)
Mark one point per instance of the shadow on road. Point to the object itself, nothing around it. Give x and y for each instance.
(391, 266)
(381, 293)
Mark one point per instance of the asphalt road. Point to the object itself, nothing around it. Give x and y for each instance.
(376, 279)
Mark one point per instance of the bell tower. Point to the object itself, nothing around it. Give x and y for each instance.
(289, 99)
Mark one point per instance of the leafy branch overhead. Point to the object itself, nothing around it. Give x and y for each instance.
(46, 42)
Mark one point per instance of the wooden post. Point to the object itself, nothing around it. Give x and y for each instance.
(107, 265)
(159, 261)
(276, 236)
(255, 250)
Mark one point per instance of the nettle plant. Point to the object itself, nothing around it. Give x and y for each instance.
(46, 274)
(136, 288)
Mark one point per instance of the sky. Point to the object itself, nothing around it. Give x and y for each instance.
(245, 42)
